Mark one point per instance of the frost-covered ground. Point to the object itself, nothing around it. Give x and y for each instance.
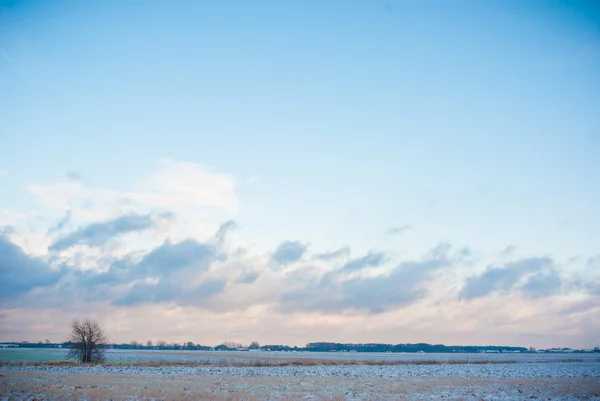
(512, 370)
(225, 357)
(215, 356)
(517, 381)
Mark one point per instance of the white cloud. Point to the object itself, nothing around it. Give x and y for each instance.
(11, 218)
(247, 292)
(3, 172)
(175, 185)
(198, 198)
(178, 184)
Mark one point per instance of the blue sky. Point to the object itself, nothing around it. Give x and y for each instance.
(379, 129)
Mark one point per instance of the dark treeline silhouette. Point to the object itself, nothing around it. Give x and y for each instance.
(311, 347)
(419, 347)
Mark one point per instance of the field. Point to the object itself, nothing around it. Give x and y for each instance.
(27, 355)
(153, 375)
(16, 355)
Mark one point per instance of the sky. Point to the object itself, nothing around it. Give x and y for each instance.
(300, 171)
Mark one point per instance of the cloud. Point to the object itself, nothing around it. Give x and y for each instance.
(593, 287)
(593, 262)
(98, 234)
(73, 176)
(171, 271)
(178, 184)
(581, 306)
(543, 284)
(20, 273)
(288, 252)
(372, 259)
(60, 224)
(343, 252)
(247, 277)
(150, 266)
(3, 172)
(509, 250)
(181, 187)
(166, 273)
(7, 230)
(142, 293)
(401, 286)
(503, 278)
(224, 229)
(170, 291)
(207, 289)
(169, 257)
(398, 229)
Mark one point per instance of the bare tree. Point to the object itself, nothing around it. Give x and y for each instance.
(88, 341)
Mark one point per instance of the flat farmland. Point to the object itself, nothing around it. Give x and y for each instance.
(165, 375)
(16, 355)
(29, 355)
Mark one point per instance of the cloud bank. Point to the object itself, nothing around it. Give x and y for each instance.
(148, 250)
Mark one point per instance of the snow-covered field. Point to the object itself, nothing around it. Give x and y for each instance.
(193, 356)
(512, 370)
(141, 356)
(216, 376)
(214, 357)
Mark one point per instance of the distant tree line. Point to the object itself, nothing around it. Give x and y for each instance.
(311, 347)
(424, 347)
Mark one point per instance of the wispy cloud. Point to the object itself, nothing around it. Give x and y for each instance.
(398, 230)
(509, 250)
(60, 225)
(224, 229)
(175, 186)
(73, 176)
(343, 252)
(99, 233)
(372, 259)
(288, 252)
